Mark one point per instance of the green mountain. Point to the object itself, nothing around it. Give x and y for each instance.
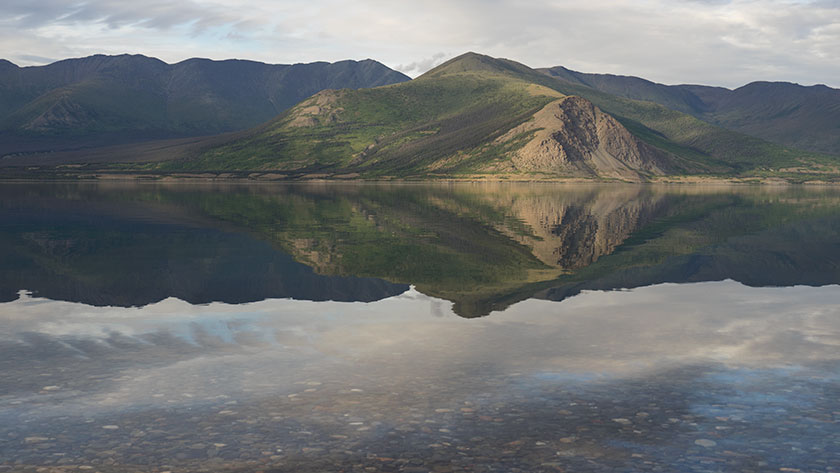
(806, 118)
(477, 116)
(102, 100)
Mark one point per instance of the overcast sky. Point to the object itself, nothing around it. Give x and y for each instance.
(715, 42)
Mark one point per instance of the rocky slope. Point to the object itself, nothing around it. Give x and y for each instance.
(570, 136)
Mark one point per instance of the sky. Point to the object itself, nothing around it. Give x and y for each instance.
(714, 42)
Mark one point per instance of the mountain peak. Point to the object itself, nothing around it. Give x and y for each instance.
(784, 86)
(474, 62)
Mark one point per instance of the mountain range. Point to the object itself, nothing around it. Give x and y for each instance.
(472, 117)
(116, 99)
(476, 116)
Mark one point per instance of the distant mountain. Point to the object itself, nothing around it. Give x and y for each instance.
(477, 116)
(112, 99)
(788, 114)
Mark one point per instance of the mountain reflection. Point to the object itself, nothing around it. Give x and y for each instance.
(483, 247)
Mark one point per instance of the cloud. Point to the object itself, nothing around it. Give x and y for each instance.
(151, 14)
(702, 41)
(35, 59)
(421, 66)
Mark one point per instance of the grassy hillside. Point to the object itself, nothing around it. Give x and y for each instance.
(452, 122)
(388, 130)
(701, 146)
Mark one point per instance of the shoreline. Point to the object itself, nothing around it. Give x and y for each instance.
(265, 178)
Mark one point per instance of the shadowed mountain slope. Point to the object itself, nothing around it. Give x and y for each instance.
(113, 99)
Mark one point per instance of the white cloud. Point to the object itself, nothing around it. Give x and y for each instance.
(701, 41)
(418, 67)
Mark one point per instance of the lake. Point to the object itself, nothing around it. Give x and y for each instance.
(448, 327)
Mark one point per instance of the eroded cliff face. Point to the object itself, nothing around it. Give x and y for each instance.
(572, 137)
(319, 109)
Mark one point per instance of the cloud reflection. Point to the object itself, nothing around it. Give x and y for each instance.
(169, 349)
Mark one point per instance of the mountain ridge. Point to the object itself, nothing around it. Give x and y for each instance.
(78, 100)
(785, 113)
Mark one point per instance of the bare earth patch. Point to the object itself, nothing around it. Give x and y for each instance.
(573, 137)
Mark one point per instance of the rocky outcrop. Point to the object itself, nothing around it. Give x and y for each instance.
(572, 137)
(320, 109)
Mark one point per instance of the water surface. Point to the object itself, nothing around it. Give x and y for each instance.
(499, 327)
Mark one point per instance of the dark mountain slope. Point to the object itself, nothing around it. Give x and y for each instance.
(113, 99)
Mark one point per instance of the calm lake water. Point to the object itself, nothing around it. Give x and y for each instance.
(418, 328)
